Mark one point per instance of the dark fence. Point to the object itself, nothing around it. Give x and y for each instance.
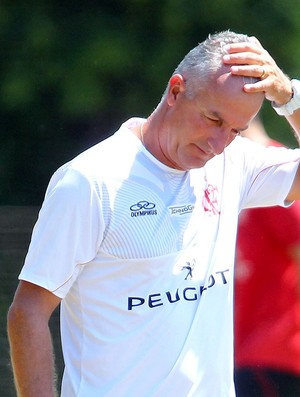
(16, 225)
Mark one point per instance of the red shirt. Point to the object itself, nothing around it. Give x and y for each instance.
(267, 289)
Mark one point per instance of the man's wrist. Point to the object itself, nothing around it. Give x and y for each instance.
(293, 104)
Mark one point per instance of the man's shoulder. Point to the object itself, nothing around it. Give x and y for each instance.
(106, 159)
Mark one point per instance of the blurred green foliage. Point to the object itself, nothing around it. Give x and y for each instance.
(72, 71)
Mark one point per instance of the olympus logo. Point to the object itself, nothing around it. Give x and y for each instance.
(143, 208)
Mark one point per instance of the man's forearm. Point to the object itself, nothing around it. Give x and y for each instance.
(31, 356)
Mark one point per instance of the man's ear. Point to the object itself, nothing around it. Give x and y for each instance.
(176, 86)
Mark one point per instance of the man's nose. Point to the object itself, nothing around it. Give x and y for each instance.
(219, 140)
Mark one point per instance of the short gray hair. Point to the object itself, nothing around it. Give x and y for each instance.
(205, 59)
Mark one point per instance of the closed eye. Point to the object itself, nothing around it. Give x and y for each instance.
(214, 120)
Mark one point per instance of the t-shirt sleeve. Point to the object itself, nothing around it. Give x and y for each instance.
(67, 234)
(268, 175)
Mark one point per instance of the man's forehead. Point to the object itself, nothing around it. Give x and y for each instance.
(230, 102)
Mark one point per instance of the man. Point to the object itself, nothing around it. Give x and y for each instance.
(267, 296)
(136, 237)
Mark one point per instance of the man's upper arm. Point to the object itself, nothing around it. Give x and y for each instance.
(33, 300)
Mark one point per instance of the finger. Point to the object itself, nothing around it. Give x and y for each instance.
(243, 47)
(257, 87)
(257, 71)
(243, 58)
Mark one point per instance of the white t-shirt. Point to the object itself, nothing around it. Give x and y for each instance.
(142, 256)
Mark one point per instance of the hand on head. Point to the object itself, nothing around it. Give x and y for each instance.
(252, 60)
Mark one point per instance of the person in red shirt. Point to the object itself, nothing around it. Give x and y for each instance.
(267, 297)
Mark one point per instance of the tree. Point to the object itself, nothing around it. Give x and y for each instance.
(71, 72)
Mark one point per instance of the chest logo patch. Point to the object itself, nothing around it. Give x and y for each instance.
(188, 267)
(210, 200)
(181, 209)
(143, 208)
